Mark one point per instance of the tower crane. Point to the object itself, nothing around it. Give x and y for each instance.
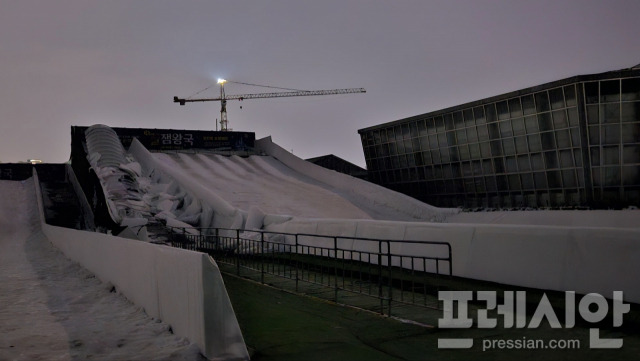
(224, 97)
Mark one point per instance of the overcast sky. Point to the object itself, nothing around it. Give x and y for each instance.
(82, 62)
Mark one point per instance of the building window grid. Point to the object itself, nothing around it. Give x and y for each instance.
(509, 120)
(452, 122)
(600, 171)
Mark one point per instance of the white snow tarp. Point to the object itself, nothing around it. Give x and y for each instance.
(369, 195)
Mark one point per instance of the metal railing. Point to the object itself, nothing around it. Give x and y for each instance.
(394, 273)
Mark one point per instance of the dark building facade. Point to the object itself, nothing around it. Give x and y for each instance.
(338, 164)
(572, 142)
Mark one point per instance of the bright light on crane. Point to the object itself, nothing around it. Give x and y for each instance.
(224, 97)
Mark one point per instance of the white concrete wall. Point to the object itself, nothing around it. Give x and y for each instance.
(581, 259)
(182, 288)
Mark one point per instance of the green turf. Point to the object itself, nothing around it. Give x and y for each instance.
(282, 326)
(278, 325)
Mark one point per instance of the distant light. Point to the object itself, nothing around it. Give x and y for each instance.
(34, 161)
(221, 81)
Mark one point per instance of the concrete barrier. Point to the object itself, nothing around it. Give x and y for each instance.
(580, 259)
(182, 288)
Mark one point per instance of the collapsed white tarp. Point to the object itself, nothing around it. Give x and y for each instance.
(182, 288)
(215, 212)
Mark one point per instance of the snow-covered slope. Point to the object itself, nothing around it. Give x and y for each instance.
(263, 182)
(382, 203)
(53, 309)
(266, 183)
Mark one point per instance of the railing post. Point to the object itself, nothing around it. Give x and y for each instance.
(297, 257)
(261, 258)
(390, 274)
(450, 261)
(237, 254)
(380, 277)
(335, 268)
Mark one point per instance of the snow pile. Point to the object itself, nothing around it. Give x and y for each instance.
(53, 309)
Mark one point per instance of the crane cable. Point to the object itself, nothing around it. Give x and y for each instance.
(203, 90)
(239, 82)
(264, 86)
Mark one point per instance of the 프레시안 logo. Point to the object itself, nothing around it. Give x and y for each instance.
(513, 310)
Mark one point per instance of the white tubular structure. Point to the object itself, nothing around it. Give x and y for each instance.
(119, 186)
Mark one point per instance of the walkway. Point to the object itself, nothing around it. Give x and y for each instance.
(53, 309)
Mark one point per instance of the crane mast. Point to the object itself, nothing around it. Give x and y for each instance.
(223, 106)
(223, 98)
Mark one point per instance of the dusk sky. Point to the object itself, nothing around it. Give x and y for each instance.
(119, 63)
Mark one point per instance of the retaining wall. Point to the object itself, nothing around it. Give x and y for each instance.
(182, 288)
(580, 259)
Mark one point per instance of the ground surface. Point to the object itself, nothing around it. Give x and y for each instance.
(53, 309)
(279, 325)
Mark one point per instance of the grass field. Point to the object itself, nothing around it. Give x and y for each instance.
(280, 325)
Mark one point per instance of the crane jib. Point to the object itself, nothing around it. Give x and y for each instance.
(223, 97)
(182, 101)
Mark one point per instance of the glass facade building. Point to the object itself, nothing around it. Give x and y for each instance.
(572, 142)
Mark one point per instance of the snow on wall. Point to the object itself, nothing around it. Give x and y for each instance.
(581, 259)
(625, 218)
(182, 288)
(361, 191)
